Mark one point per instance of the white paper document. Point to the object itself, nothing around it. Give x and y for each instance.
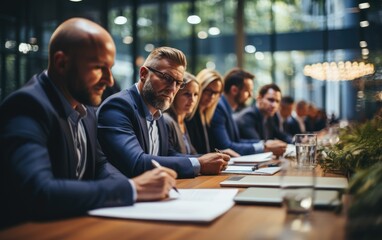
(191, 205)
(249, 170)
(251, 159)
(290, 151)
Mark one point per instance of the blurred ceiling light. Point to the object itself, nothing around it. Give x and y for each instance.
(25, 48)
(120, 19)
(144, 22)
(365, 51)
(149, 47)
(210, 65)
(202, 35)
(259, 56)
(10, 44)
(363, 44)
(364, 23)
(338, 71)
(75, 0)
(364, 5)
(214, 31)
(127, 40)
(250, 49)
(193, 19)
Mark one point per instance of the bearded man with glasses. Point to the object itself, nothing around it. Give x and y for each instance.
(132, 131)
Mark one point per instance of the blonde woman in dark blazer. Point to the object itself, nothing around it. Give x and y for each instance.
(182, 108)
(211, 83)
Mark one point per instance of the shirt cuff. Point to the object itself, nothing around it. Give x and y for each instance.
(196, 165)
(134, 190)
(259, 147)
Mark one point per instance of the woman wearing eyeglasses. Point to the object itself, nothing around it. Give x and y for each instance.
(182, 108)
(211, 83)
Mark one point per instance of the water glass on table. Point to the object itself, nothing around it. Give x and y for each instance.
(297, 193)
(306, 149)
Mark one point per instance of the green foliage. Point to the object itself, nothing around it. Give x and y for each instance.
(359, 154)
(365, 212)
(360, 147)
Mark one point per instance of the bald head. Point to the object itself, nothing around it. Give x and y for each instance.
(75, 34)
(81, 55)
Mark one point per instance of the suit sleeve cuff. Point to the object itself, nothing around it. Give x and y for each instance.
(134, 190)
(259, 147)
(196, 165)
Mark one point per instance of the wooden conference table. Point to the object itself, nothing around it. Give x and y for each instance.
(240, 222)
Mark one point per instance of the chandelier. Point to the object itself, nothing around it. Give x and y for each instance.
(333, 71)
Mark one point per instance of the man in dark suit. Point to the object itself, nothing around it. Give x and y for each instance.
(224, 133)
(284, 113)
(51, 163)
(132, 131)
(297, 123)
(257, 122)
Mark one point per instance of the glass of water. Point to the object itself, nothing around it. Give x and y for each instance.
(306, 149)
(297, 188)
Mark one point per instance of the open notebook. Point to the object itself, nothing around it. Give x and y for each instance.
(275, 181)
(191, 205)
(263, 195)
(251, 159)
(250, 170)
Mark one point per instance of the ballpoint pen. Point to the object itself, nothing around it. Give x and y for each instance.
(157, 165)
(259, 165)
(218, 151)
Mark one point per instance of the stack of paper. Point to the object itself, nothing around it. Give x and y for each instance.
(191, 205)
(251, 159)
(250, 170)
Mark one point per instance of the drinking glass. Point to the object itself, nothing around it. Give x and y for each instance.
(306, 149)
(297, 188)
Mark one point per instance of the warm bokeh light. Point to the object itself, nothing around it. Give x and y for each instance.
(338, 71)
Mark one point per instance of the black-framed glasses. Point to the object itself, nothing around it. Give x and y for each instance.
(211, 92)
(168, 78)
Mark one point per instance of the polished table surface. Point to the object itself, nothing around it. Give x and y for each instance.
(240, 222)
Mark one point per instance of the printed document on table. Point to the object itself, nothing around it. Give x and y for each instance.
(249, 170)
(251, 159)
(190, 205)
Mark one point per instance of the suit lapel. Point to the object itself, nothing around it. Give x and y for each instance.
(141, 117)
(64, 125)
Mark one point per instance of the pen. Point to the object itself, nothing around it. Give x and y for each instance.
(218, 151)
(257, 166)
(157, 165)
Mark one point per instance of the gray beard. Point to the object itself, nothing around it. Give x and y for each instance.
(148, 93)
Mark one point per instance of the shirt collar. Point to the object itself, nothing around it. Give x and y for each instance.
(74, 115)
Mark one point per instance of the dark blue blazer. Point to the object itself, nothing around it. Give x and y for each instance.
(123, 135)
(223, 131)
(38, 163)
(292, 126)
(250, 124)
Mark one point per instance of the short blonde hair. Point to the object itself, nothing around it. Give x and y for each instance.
(205, 77)
(169, 53)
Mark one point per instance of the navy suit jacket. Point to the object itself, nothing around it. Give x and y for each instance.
(250, 124)
(124, 137)
(38, 161)
(224, 133)
(292, 126)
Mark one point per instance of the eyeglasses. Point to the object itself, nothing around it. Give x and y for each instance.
(211, 92)
(169, 79)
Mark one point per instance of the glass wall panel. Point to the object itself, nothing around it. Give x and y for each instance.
(217, 16)
(258, 16)
(123, 37)
(260, 64)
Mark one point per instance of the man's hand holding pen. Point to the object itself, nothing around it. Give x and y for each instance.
(155, 184)
(213, 163)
